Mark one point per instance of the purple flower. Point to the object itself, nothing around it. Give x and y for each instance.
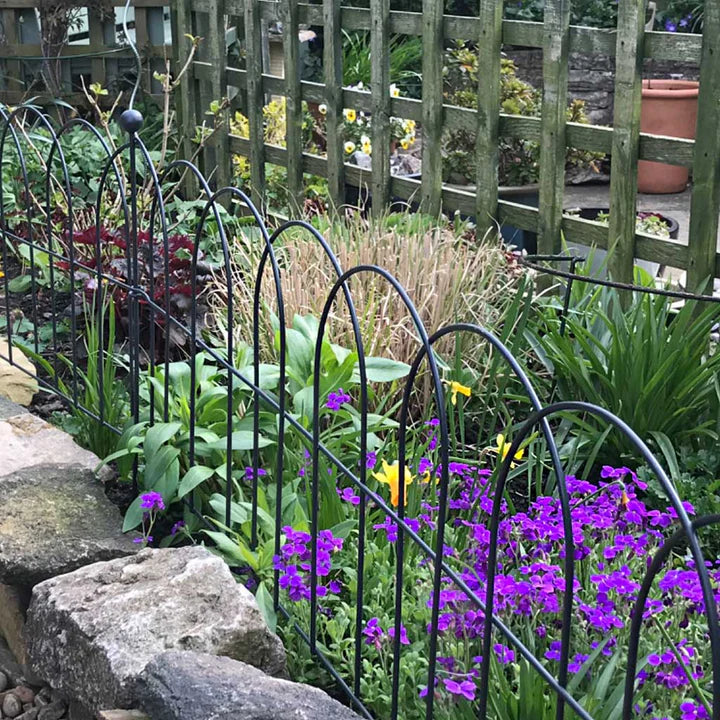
(466, 688)
(177, 527)
(249, 473)
(670, 26)
(152, 501)
(139, 540)
(337, 399)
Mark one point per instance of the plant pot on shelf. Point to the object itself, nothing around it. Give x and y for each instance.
(598, 257)
(520, 194)
(669, 107)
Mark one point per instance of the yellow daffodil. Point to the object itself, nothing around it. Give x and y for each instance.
(503, 448)
(455, 388)
(390, 475)
(349, 147)
(405, 143)
(350, 115)
(322, 109)
(409, 126)
(394, 91)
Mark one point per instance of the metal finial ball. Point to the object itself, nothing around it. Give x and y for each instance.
(131, 121)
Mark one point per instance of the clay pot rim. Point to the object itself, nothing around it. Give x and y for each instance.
(670, 89)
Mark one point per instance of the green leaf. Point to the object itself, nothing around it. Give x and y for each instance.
(193, 477)
(225, 545)
(158, 435)
(344, 528)
(382, 370)
(134, 515)
(158, 465)
(265, 603)
(20, 284)
(241, 440)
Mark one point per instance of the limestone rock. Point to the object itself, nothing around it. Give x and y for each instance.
(55, 520)
(27, 440)
(91, 632)
(182, 685)
(13, 605)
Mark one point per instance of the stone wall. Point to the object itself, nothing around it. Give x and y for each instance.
(591, 77)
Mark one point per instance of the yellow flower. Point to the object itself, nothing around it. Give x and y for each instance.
(349, 147)
(405, 143)
(322, 109)
(390, 475)
(350, 115)
(409, 126)
(455, 388)
(394, 91)
(367, 148)
(503, 448)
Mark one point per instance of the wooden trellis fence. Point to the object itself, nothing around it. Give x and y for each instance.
(96, 53)
(630, 44)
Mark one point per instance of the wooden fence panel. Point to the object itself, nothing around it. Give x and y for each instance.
(95, 60)
(488, 113)
(626, 138)
(553, 145)
(432, 96)
(380, 79)
(705, 204)
(333, 72)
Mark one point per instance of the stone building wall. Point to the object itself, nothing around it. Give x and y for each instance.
(591, 77)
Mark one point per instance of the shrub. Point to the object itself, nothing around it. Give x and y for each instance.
(518, 162)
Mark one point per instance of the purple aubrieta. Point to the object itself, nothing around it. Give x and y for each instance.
(152, 501)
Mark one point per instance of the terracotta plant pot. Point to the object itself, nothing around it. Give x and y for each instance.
(669, 107)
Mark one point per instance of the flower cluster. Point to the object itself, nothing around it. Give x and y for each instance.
(295, 563)
(614, 536)
(357, 126)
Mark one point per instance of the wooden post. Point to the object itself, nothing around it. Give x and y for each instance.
(181, 25)
(293, 106)
(705, 203)
(255, 97)
(217, 56)
(556, 43)
(626, 138)
(380, 80)
(488, 116)
(333, 99)
(432, 95)
(13, 68)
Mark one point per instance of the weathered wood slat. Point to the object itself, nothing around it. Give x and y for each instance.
(182, 47)
(255, 99)
(705, 202)
(96, 37)
(293, 105)
(217, 55)
(380, 94)
(13, 76)
(333, 67)
(432, 104)
(488, 113)
(553, 144)
(626, 138)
